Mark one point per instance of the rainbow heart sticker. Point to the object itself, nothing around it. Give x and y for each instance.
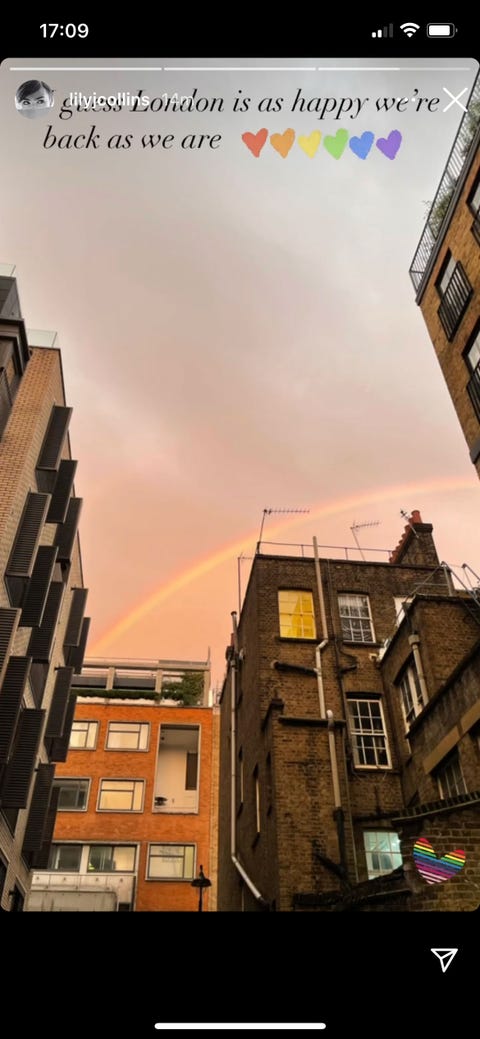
(255, 141)
(432, 869)
(282, 142)
(310, 144)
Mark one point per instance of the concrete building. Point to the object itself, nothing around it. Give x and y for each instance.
(350, 730)
(446, 274)
(136, 793)
(42, 599)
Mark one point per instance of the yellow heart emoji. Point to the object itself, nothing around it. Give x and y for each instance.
(310, 144)
(282, 142)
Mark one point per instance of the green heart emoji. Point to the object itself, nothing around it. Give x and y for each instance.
(336, 145)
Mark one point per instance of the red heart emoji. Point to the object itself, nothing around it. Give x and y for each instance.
(255, 141)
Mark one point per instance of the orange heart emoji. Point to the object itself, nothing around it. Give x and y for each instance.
(282, 142)
(255, 141)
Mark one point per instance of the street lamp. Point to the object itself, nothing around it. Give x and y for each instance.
(201, 882)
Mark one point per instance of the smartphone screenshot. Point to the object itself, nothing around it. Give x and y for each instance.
(239, 504)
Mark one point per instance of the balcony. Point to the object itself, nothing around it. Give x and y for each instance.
(455, 300)
(473, 388)
(445, 198)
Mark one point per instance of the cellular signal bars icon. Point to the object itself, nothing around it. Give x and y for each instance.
(386, 31)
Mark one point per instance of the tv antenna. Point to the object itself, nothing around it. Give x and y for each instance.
(408, 519)
(270, 512)
(361, 526)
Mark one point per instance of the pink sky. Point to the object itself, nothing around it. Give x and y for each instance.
(236, 334)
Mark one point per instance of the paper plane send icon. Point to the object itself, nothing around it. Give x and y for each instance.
(445, 956)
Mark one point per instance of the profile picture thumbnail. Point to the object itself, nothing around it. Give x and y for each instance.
(33, 98)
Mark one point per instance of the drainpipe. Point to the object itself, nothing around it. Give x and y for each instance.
(338, 813)
(414, 641)
(233, 787)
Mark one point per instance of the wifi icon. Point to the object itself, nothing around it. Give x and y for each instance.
(409, 28)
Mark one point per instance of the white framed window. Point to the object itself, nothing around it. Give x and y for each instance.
(127, 736)
(171, 862)
(356, 618)
(474, 197)
(369, 737)
(73, 794)
(65, 858)
(450, 777)
(445, 275)
(382, 852)
(120, 795)
(83, 735)
(411, 696)
(297, 619)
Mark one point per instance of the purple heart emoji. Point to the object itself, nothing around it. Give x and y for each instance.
(361, 145)
(389, 145)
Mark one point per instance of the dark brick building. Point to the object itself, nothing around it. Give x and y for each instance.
(446, 274)
(349, 729)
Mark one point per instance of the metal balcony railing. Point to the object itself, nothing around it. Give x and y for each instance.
(441, 204)
(473, 388)
(455, 301)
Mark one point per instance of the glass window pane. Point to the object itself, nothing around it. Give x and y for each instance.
(123, 859)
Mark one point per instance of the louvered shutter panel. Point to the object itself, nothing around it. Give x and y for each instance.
(77, 653)
(11, 695)
(22, 556)
(66, 532)
(75, 617)
(37, 588)
(18, 773)
(39, 816)
(58, 707)
(62, 491)
(8, 625)
(41, 639)
(41, 858)
(59, 746)
(54, 438)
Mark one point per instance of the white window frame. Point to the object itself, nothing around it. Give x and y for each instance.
(131, 726)
(120, 779)
(371, 851)
(347, 618)
(451, 762)
(409, 688)
(358, 734)
(94, 725)
(171, 844)
(67, 780)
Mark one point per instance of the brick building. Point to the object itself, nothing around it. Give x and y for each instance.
(446, 274)
(136, 793)
(42, 599)
(349, 729)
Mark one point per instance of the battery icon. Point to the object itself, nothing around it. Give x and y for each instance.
(441, 30)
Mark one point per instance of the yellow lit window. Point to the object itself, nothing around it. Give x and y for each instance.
(297, 620)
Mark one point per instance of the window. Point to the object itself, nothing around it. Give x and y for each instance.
(369, 739)
(474, 197)
(400, 602)
(455, 291)
(65, 858)
(73, 794)
(382, 852)
(297, 619)
(472, 352)
(83, 736)
(472, 360)
(171, 862)
(178, 766)
(356, 618)
(111, 858)
(412, 698)
(450, 777)
(127, 736)
(120, 795)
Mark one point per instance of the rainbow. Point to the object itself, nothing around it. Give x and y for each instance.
(235, 549)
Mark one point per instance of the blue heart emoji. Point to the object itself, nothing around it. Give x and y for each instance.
(361, 145)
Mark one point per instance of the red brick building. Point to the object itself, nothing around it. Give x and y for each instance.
(446, 274)
(135, 793)
(350, 728)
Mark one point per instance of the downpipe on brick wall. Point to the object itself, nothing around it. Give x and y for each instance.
(338, 813)
(233, 788)
(414, 641)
